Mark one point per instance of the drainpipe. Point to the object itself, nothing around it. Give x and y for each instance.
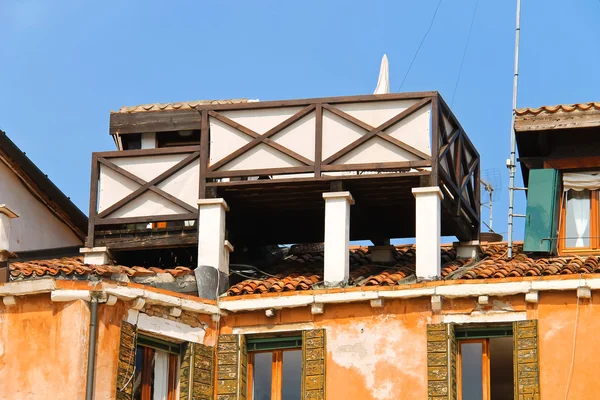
(89, 386)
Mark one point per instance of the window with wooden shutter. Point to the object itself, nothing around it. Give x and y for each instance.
(542, 212)
(441, 362)
(232, 367)
(313, 365)
(126, 362)
(148, 368)
(196, 373)
(527, 373)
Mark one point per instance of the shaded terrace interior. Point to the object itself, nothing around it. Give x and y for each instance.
(272, 162)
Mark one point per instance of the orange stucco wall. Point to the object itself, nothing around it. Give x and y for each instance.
(380, 353)
(372, 353)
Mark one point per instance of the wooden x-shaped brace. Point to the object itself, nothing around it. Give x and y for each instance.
(377, 131)
(151, 185)
(264, 138)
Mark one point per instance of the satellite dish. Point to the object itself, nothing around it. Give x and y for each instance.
(383, 83)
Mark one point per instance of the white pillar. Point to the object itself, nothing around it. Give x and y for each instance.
(428, 231)
(95, 255)
(213, 250)
(337, 237)
(5, 216)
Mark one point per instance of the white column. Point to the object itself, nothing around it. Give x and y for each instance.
(428, 231)
(5, 216)
(337, 237)
(213, 250)
(95, 255)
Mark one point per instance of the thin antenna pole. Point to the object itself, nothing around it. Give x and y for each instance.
(512, 163)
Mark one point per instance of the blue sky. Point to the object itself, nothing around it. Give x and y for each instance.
(66, 64)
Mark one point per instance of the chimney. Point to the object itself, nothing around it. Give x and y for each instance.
(428, 230)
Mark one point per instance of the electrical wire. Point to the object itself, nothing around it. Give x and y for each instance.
(462, 62)
(421, 44)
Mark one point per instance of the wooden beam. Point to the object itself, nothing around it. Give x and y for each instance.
(146, 152)
(204, 154)
(93, 201)
(318, 138)
(154, 121)
(147, 219)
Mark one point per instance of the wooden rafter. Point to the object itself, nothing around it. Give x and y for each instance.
(264, 138)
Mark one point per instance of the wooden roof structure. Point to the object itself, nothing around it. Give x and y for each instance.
(272, 161)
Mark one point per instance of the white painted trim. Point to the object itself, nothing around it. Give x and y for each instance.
(212, 202)
(480, 289)
(339, 195)
(478, 317)
(406, 293)
(70, 295)
(345, 297)
(428, 190)
(247, 330)
(270, 302)
(21, 288)
(86, 250)
(165, 327)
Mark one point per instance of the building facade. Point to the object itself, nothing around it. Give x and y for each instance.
(184, 289)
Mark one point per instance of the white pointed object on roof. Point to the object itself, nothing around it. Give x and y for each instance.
(383, 84)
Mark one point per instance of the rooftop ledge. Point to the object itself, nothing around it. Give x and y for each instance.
(109, 293)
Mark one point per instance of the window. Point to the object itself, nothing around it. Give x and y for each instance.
(178, 138)
(579, 220)
(274, 368)
(156, 369)
(485, 364)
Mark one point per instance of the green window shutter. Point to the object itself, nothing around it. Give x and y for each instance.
(527, 372)
(313, 364)
(441, 362)
(196, 372)
(126, 362)
(541, 221)
(232, 367)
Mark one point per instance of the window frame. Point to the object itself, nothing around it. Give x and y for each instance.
(485, 366)
(276, 362)
(149, 345)
(594, 246)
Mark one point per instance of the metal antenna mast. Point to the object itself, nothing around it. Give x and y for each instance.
(512, 162)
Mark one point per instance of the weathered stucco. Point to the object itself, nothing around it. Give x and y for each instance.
(372, 353)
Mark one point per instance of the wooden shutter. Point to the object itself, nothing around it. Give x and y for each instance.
(527, 372)
(232, 367)
(313, 364)
(196, 372)
(126, 362)
(441, 362)
(541, 223)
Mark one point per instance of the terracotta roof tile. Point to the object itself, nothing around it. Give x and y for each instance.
(559, 108)
(183, 105)
(74, 266)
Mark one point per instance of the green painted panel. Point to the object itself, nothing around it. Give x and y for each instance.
(541, 224)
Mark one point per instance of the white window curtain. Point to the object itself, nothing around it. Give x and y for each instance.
(578, 218)
(161, 375)
(581, 180)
